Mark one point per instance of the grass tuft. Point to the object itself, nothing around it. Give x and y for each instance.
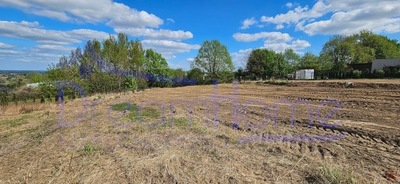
(181, 122)
(124, 106)
(328, 174)
(15, 122)
(89, 149)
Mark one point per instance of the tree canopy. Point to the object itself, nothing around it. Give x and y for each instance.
(214, 59)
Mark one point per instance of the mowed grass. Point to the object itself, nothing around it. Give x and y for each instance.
(134, 112)
(179, 150)
(15, 122)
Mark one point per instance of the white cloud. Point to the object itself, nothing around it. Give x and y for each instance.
(170, 20)
(5, 46)
(248, 22)
(271, 36)
(378, 17)
(282, 46)
(276, 41)
(31, 55)
(292, 16)
(168, 48)
(30, 31)
(50, 44)
(54, 14)
(342, 17)
(279, 26)
(161, 34)
(289, 5)
(239, 58)
(93, 11)
(189, 60)
(47, 48)
(8, 52)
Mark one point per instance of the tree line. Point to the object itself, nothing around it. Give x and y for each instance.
(333, 61)
(118, 64)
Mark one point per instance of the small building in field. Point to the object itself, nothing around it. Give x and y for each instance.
(365, 67)
(380, 64)
(305, 74)
(33, 85)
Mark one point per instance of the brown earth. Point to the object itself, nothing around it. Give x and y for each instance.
(285, 134)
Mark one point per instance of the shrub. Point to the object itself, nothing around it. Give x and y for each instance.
(357, 74)
(328, 174)
(397, 73)
(379, 73)
(4, 98)
(131, 84)
(142, 83)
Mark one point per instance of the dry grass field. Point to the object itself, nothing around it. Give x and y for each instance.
(302, 132)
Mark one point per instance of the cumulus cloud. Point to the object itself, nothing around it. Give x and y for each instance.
(31, 31)
(279, 26)
(170, 20)
(289, 4)
(161, 34)
(50, 44)
(56, 43)
(168, 48)
(5, 46)
(276, 41)
(239, 58)
(282, 46)
(248, 22)
(113, 13)
(271, 36)
(342, 17)
(120, 17)
(40, 57)
(189, 60)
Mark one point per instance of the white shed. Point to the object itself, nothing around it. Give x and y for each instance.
(305, 74)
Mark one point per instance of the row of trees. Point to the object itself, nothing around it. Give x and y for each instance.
(115, 64)
(333, 62)
(120, 64)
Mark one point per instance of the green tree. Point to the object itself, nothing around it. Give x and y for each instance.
(136, 56)
(155, 63)
(240, 74)
(196, 74)
(310, 61)
(35, 77)
(214, 59)
(292, 59)
(384, 47)
(256, 63)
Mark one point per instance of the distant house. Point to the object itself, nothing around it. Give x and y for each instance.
(33, 85)
(380, 64)
(305, 74)
(366, 67)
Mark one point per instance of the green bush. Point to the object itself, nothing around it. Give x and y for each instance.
(142, 84)
(397, 73)
(357, 74)
(379, 73)
(131, 84)
(4, 98)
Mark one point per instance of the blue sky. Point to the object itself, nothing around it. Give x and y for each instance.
(35, 33)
